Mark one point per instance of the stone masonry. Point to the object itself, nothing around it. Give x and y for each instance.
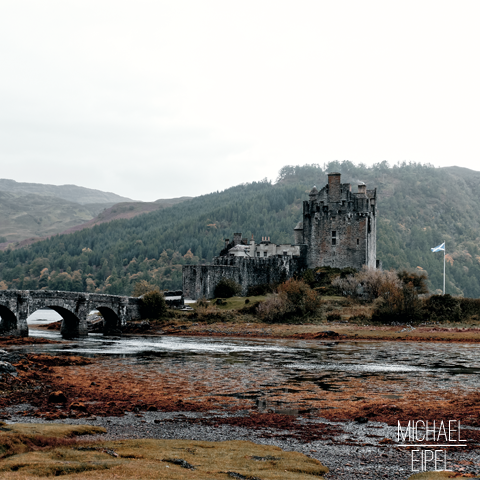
(17, 305)
(338, 229)
(201, 280)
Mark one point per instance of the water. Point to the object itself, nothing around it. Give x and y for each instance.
(43, 316)
(325, 364)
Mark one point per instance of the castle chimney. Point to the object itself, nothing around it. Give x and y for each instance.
(237, 239)
(334, 188)
(362, 188)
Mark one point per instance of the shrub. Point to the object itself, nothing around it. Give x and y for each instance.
(294, 298)
(470, 307)
(399, 303)
(260, 290)
(443, 308)
(142, 287)
(274, 308)
(210, 314)
(359, 318)
(227, 288)
(347, 286)
(369, 283)
(309, 276)
(418, 279)
(202, 302)
(333, 317)
(153, 305)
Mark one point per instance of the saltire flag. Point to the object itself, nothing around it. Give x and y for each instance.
(439, 248)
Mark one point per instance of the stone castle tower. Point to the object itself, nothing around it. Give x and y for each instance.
(339, 227)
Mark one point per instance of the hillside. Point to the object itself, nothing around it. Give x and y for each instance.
(419, 207)
(37, 216)
(127, 210)
(71, 193)
(32, 211)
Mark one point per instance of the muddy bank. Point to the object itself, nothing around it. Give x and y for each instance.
(111, 387)
(342, 331)
(343, 425)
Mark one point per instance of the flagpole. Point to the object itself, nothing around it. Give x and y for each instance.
(444, 249)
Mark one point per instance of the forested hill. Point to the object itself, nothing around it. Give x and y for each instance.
(419, 207)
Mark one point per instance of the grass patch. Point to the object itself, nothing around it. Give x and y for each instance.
(431, 476)
(145, 459)
(236, 303)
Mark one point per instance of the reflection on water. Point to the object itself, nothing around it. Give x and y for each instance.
(434, 365)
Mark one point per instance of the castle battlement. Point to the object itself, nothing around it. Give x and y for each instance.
(338, 229)
(339, 226)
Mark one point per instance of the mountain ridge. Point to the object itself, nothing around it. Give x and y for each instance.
(69, 192)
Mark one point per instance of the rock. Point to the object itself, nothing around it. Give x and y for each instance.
(11, 357)
(6, 367)
(361, 419)
(180, 462)
(330, 333)
(57, 397)
(80, 406)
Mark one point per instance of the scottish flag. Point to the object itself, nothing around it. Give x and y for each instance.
(439, 248)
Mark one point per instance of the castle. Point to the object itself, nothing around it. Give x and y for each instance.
(338, 230)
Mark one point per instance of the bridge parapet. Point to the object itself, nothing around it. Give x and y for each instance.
(17, 305)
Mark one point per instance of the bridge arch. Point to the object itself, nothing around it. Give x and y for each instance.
(71, 324)
(111, 321)
(9, 322)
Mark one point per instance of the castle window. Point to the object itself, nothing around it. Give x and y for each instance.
(334, 237)
(358, 241)
(334, 241)
(285, 253)
(258, 254)
(264, 254)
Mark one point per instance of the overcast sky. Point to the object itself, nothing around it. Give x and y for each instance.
(159, 99)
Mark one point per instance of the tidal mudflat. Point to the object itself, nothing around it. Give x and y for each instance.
(337, 401)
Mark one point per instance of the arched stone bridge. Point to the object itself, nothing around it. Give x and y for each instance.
(17, 305)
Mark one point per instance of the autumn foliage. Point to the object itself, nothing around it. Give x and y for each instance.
(294, 300)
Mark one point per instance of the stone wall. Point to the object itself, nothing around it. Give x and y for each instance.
(339, 227)
(17, 305)
(201, 280)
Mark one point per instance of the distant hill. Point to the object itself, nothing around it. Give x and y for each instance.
(37, 216)
(125, 211)
(30, 212)
(71, 193)
(419, 207)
